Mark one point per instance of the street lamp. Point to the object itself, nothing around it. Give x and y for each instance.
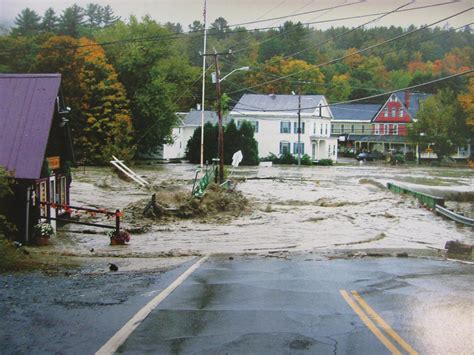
(220, 137)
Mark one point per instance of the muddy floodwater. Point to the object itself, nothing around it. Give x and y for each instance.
(307, 209)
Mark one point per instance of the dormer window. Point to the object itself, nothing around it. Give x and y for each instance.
(385, 112)
(401, 112)
(393, 112)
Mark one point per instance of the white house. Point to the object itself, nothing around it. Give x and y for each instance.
(275, 119)
(181, 134)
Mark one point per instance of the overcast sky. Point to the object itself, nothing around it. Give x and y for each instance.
(239, 11)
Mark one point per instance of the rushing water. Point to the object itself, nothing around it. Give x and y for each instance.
(294, 208)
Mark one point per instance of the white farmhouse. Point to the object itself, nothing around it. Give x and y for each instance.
(188, 123)
(275, 119)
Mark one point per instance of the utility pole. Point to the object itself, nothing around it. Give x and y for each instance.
(220, 135)
(299, 127)
(203, 85)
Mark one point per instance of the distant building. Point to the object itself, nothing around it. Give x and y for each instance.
(378, 127)
(189, 122)
(35, 147)
(275, 121)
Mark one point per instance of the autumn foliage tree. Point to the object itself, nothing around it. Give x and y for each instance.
(300, 76)
(107, 124)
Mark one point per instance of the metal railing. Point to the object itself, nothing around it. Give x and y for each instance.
(425, 199)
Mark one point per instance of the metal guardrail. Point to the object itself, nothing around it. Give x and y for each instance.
(425, 199)
(454, 216)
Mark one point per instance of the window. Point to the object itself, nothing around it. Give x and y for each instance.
(352, 129)
(314, 128)
(393, 112)
(385, 112)
(285, 127)
(296, 150)
(254, 125)
(284, 148)
(342, 128)
(332, 128)
(385, 129)
(395, 129)
(401, 112)
(320, 111)
(295, 127)
(326, 129)
(321, 129)
(363, 128)
(238, 124)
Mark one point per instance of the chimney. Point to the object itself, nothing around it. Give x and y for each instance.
(407, 99)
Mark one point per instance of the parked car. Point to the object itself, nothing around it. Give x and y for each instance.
(365, 156)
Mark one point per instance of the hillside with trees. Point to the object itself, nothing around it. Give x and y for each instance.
(126, 78)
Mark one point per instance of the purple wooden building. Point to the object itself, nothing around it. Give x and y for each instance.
(35, 147)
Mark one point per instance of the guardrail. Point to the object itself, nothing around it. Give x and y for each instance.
(425, 199)
(209, 176)
(454, 216)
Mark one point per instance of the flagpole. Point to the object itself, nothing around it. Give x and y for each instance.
(203, 83)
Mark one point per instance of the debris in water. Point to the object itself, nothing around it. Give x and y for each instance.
(113, 267)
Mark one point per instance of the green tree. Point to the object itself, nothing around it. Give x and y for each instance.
(71, 21)
(50, 21)
(156, 77)
(231, 141)
(248, 144)
(108, 16)
(193, 147)
(27, 23)
(441, 123)
(339, 88)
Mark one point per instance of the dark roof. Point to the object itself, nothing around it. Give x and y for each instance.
(376, 138)
(354, 112)
(273, 103)
(27, 103)
(415, 99)
(193, 118)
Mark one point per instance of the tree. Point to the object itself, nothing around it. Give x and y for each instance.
(248, 144)
(156, 78)
(108, 17)
(93, 13)
(27, 23)
(441, 123)
(300, 76)
(231, 141)
(339, 88)
(466, 100)
(107, 127)
(50, 21)
(193, 147)
(71, 21)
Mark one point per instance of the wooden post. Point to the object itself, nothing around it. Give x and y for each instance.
(117, 221)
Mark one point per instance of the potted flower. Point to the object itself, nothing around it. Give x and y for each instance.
(119, 238)
(42, 232)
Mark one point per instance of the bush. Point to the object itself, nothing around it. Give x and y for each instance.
(410, 156)
(270, 157)
(397, 158)
(306, 160)
(286, 159)
(324, 162)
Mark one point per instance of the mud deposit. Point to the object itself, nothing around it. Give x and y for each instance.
(298, 209)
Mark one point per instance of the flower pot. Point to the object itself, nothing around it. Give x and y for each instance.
(42, 241)
(114, 241)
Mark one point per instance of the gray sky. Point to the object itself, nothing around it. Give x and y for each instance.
(238, 11)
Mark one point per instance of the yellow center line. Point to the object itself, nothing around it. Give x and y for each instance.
(378, 319)
(373, 328)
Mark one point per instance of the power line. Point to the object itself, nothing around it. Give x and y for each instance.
(183, 35)
(349, 31)
(286, 16)
(466, 72)
(354, 53)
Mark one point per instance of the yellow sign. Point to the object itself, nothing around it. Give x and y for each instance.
(53, 162)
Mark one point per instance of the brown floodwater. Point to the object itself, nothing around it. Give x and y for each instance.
(292, 208)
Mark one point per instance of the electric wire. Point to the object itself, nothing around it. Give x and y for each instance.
(353, 53)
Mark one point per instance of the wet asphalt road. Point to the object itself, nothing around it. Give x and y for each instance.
(251, 305)
(247, 305)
